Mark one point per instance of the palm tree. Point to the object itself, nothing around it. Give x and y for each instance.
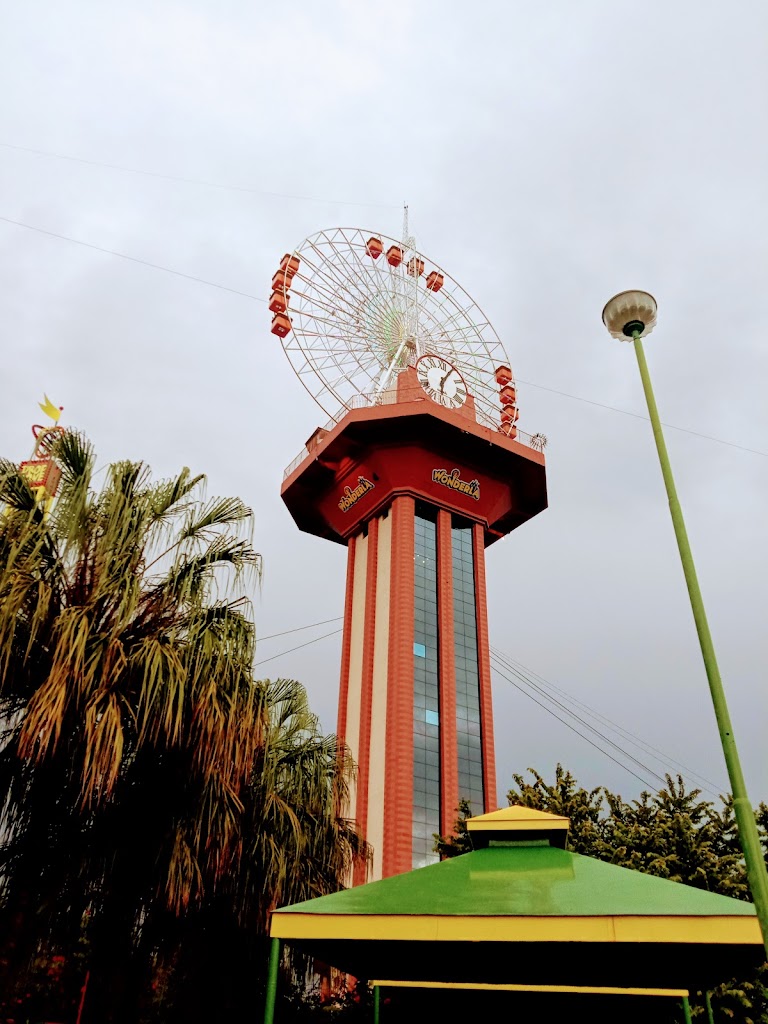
(130, 716)
(296, 845)
(152, 787)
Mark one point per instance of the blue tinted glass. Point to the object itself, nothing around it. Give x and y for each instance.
(467, 673)
(426, 719)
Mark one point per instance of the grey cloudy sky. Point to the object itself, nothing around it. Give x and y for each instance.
(552, 154)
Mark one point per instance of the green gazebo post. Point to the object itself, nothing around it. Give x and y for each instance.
(631, 316)
(708, 1004)
(271, 995)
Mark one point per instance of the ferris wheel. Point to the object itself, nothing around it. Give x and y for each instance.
(353, 308)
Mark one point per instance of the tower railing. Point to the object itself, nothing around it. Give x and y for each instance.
(408, 396)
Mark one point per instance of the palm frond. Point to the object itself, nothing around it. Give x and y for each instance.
(15, 492)
(170, 497)
(214, 514)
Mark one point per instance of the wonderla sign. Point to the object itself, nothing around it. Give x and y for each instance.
(453, 480)
(352, 495)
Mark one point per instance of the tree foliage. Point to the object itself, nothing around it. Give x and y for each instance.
(152, 787)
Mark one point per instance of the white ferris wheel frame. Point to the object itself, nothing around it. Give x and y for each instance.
(356, 322)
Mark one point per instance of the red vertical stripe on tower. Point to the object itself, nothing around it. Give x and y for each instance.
(449, 754)
(398, 786)
(484, 671)
(366, 690)
(346, 643)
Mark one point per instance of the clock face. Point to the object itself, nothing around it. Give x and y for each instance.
(441, 381)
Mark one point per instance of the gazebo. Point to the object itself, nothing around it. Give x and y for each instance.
(520, 912)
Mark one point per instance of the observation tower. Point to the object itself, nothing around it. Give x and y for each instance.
(420, 468)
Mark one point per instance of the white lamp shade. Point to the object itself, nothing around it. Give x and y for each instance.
(629, 311)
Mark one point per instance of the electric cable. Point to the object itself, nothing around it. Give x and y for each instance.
(298, 648)
(299, 629)
(133, 259)
(714, 792)
(657, 754)
(574, 729)
(606, 739)
(192, 181)
(641, 416)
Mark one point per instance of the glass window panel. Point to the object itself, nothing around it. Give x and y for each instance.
(467, 674)
(426, 729)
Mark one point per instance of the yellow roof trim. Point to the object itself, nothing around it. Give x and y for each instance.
(517, 826)
(737, 930)
(508, 819)
(606, 990)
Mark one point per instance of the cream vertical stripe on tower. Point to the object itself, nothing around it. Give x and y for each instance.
(352, 725)
(378, 761)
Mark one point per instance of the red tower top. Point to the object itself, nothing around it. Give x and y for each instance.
(408, 444)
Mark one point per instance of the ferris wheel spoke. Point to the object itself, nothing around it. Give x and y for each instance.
(392, 278)
(338, 290)
(332, 272)
(327, 290)
(356, 342)
(343, 368)
(390, 282)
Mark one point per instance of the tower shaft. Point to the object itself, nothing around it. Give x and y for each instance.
(416, 493)
(415, 691)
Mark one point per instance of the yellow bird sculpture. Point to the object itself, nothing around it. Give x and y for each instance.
(50, 409)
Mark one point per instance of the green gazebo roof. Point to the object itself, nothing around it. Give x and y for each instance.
(522, 910)
(524, 882)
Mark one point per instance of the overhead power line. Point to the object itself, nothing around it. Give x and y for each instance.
(573, 728)
(258, 298)
(133, 259)
(299, 629)
(298, 648)
(641, 416)
(530, 684)
(500, 669)
(194, 181)
(658, 755)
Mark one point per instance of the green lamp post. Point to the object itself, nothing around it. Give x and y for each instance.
(631, 316)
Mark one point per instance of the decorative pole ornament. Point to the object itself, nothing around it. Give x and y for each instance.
(630, 316)
(51, 410)
(41, 472)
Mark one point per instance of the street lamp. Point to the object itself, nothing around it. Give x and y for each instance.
(630, 316)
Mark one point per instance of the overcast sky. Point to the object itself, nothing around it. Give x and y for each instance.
(552, 154)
